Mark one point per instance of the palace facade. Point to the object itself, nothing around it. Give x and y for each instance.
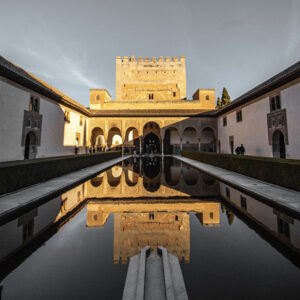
(150, 114)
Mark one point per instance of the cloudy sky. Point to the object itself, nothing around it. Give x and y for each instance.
(72, 44)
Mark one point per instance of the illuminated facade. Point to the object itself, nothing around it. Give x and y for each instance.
(149, 115)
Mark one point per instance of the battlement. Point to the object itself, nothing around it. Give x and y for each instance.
(128, 59)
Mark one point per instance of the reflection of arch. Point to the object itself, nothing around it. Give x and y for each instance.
(278, 144)
(114, 139)
(190, 176)
(97, 181)
(172, 141)
(208, 180)
(208, 140)
(30, 143)
(189, 139)
(114, 176)
(131, 177)
(152, 173)
(97, 139)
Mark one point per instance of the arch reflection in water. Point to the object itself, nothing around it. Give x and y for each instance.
(153, 223)
(152, 177)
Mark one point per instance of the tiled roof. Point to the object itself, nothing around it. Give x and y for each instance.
(287, 75)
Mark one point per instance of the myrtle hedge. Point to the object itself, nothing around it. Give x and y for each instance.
(283, 172)
(19, 174)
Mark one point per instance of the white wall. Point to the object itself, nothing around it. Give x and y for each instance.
(290, 100)
(13, 102)
(57, 136)
(252, 132)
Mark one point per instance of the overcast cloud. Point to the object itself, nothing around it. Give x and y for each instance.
(72, 44)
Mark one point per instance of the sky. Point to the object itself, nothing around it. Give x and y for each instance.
(72, 44)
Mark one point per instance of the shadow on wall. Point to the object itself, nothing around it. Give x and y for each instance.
(190, 134)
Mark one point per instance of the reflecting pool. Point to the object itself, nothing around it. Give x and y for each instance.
(77, 245)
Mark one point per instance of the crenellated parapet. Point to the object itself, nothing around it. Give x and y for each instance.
(133, 59)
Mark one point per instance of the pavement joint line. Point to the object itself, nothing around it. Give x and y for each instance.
(280, 196)
(12, 202)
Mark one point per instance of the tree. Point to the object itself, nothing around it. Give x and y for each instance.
(230, 216)
(225, 97)
(218, 103)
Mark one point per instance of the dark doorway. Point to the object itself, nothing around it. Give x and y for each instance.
(278, 145)
(30, 141)
(151, 144)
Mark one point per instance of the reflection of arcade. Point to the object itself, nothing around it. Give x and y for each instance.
(152, 177)
(151, 223)
(152, 173)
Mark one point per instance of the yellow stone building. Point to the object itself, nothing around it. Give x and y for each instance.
(151, 113)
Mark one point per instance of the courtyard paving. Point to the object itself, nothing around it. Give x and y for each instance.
(14, 202)
(272, 194)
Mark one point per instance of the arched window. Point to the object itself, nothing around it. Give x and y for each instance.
(207, 97)
(34, 104)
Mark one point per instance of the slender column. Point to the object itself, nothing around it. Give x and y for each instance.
(140, 139)
(199, 145)
(180, 145)
(162, 148)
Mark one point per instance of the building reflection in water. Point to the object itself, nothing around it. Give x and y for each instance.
(152, 199)
(151, 223)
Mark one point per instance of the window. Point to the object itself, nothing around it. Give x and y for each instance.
(211, 215)
(98, 97)
(239, 116)
(81, 121)
(34, 104)
(283, 228)
(151, 96)
(243, 202)
(176, 218)
(275, 103)
(224, 121)
(174, 94)
(228, 192)
(67, 116)
(207, 97)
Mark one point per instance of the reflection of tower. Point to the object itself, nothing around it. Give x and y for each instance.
(134, 231)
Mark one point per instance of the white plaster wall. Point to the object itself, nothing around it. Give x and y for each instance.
(252, 132)
(290, 100)
(57, 136)
(13, 102)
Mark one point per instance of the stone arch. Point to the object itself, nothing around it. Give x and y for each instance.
(114, 138)
(97, 138)
(208, 140)
(190, 141)
(151, 138)
(131, 141)
(30, 150)
(278, 144)
(171, 141)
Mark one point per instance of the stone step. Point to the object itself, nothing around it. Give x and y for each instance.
(154, 275)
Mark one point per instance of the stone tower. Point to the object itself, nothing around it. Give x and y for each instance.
(150, 79)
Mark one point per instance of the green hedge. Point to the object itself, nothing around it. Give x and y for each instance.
(19, 174)
(283, 172)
